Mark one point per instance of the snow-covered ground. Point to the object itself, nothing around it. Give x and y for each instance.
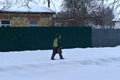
(79, 64)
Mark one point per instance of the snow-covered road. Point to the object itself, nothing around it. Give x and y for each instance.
(79, 64)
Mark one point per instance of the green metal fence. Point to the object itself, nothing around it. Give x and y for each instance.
(33, 38)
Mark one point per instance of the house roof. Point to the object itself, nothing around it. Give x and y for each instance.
(32, 8)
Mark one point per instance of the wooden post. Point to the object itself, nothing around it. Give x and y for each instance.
(49, 3)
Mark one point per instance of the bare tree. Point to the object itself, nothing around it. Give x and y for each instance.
(26, 3)
(103, 17)
(5, 4)
(77, 11)
(86, 13)
(116, 5)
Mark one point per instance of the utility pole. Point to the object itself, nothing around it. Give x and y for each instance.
(49, 3)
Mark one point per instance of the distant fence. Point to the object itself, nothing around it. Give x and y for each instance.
(33, 38)
(105, 37)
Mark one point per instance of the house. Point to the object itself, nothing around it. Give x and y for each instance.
(31, 16)
(117, 24)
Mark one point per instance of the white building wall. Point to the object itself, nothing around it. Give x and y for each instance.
(117, 25)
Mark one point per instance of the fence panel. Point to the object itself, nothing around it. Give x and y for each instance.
(33, 38)
(105, 37)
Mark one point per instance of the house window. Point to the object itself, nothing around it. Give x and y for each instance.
(33, 23)
(5, 23)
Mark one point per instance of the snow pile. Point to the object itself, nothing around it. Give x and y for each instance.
(79, 64)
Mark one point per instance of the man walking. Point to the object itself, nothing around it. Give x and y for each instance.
(57, 47)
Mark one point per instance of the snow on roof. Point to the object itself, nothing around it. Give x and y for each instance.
(31, 8)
